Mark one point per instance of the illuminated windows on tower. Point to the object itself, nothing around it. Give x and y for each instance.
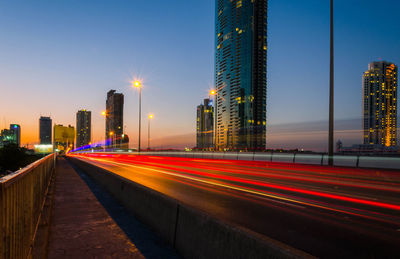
(380, 104)
(240, 74)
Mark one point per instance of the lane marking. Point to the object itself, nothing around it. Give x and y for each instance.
(259, 193)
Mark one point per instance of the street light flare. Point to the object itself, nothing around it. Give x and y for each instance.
(136, 84)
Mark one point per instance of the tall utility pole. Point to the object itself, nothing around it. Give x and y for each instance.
(331, 92)
(148, 132)
(140, 115)
(138, 84)
(214, 93)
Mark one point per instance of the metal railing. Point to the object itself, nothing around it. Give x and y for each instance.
(22, 196)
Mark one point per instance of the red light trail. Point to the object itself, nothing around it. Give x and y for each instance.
(299, 184)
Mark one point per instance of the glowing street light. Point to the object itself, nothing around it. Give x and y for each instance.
(138, 84)
(151, 116)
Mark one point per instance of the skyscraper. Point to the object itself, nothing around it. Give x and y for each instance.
(380, 104)
(114, 117)
(45, 124)
(240, 75)
(205, 125)
(83, 128)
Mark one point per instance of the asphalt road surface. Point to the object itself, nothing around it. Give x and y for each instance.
(328, 212)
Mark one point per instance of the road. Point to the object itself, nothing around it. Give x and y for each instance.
(325, 211)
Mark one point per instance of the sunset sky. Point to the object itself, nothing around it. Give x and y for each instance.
(57, 57)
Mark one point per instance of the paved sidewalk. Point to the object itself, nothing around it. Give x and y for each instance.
(80, 225)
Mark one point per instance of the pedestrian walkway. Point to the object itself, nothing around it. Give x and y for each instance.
(80, 226)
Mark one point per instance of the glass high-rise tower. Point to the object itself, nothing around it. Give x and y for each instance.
(380, 104)
(240, 74)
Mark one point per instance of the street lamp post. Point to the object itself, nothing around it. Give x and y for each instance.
(104, 113)
(331, 92)
(112, 139)
(137, 84)
(148, 131)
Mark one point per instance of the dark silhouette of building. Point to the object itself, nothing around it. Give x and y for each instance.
(11, 136)
(114, 117)
(205, 125)
(45, 124)
(380, 104)
(83, 128)
(240, 74)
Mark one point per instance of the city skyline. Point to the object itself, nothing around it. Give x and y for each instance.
(283, 106)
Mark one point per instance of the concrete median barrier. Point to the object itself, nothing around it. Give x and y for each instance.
(193, 233)
(199, 235)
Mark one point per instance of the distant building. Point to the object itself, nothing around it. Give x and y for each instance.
(114, 117)
(16, 129)
(63, 138)
(380, 104)
(45, 124)
(240, 74)
(11, 136)
(339, 145)
(83, 128)
(205, 125)
(368, 149)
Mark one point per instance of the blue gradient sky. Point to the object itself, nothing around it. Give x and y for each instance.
(60, 56)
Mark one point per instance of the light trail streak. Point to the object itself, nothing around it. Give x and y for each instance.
(277, 196)
(278, 175)
(359, 199)
(274, 186)
(355, 174)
